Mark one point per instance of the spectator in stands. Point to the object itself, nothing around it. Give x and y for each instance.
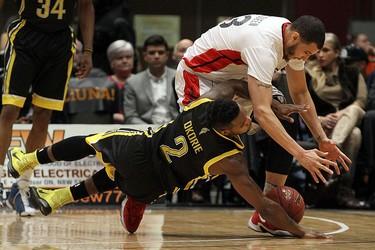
(356, 56)
(339, 93)
(179, 50)
(149, 97)
(120, 55)
(362, 40)
(368, 128)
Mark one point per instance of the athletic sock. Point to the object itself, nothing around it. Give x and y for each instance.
(79, 191)
(42, 156)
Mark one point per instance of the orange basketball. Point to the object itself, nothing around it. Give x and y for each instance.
(290, 200)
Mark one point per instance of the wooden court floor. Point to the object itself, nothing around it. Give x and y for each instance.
(178, 228)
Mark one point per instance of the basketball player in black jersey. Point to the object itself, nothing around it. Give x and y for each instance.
(39, 56)
(201, 143)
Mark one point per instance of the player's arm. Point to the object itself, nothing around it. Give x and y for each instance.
(300, 94)
(232, 88)
(235, 168)
(86, 21)
(261, 97)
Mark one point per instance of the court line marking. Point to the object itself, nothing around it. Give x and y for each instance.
(343, 227)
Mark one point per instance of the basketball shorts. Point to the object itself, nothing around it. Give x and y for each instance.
(125, 154)
(39, 63)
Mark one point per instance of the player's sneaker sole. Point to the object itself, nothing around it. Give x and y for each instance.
(39, 202)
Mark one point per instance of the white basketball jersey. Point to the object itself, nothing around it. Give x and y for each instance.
(246, 45)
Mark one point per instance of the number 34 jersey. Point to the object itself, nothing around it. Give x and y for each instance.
(47, 15)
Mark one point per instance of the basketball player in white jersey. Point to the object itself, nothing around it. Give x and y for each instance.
(251, 48)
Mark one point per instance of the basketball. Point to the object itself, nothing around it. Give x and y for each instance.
(290, 200)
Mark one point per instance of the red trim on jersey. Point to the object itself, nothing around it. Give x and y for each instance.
(191, 90)
(214, 60)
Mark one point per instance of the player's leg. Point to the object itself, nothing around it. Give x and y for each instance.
(8, 116)
(17, 80)
(35, 140)
(49, 201)
(278, 160)
(278, 163)
(38, 132)
(132, 211)
(70, 149)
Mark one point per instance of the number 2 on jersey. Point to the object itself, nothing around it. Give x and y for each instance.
(168, 151)
(46, 10)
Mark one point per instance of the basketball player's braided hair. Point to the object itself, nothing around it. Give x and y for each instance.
(222, 112)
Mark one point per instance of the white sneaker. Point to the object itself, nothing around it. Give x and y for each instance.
(28, 209)
(19, 199)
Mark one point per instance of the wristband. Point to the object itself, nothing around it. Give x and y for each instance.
(88, 50)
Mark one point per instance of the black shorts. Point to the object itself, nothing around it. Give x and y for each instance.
(126, 152)
(37, 61)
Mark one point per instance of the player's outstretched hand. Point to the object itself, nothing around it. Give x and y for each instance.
(334, 154)
(311, 234)
(283, 111)
(314, 161)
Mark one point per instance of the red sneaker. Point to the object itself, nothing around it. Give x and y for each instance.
(258, 224)
(131, 214)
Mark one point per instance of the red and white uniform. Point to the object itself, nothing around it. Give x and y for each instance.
(246, 45)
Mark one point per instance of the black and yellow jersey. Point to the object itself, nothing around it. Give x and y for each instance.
(186, 148)
(47, 15)
(178, 155)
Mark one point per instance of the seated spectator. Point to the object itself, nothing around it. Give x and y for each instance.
(149, 95)
(339, 93)
(362, 40)
(355, 56)
(120, 55)
(179, 50)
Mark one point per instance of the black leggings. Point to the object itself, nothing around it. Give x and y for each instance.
(72, 149)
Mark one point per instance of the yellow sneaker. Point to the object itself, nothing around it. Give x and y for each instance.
(19, 162)
(48, 201)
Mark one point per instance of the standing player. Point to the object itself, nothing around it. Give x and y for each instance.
(251, 48)
(39, 56)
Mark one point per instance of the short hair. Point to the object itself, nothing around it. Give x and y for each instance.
(311, 30)
(155, 40)
(222, 112)
(117, 46)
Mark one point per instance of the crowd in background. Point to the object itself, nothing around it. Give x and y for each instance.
(341, 80)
